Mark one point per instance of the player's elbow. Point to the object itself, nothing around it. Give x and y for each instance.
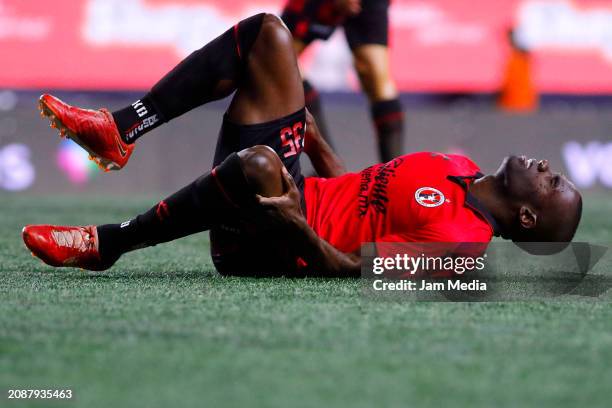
(262, 168)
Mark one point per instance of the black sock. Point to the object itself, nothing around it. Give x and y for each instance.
(388, 119)
(196, 80)
(313, 103)
(195, 208)
(135, 120)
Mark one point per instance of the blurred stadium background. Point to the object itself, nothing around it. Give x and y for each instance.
(163, 329)
(449, 58)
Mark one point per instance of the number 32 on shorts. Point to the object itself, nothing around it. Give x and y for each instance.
(292, 138)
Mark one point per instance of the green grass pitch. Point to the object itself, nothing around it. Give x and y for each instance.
(162, 329)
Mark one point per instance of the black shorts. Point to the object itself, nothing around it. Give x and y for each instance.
(310, 20)
(238, 246)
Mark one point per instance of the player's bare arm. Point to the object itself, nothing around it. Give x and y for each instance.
(323, 258)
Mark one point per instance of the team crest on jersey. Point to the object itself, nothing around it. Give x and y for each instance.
(429, 197)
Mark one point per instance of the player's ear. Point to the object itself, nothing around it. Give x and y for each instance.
(527, 217)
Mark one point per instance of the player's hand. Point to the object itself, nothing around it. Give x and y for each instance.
(286, 210)
(348, 7)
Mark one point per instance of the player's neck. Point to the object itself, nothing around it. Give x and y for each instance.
(489, 192)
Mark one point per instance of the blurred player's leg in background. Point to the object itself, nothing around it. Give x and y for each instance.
(366, 25)
(367, 34)
(372, 66)
(313, 103)
(313, 99)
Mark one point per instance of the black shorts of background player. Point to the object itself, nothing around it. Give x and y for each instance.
(366, 26)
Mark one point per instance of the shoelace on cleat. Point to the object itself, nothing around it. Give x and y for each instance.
(78, 238)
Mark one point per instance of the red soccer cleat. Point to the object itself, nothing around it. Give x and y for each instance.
(94, 130)
(65, 246)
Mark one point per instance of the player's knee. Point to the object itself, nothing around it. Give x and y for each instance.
(262, 168)
(371, 65)
(369, 69)
(374, 76)
(274, 33)
(363, 65)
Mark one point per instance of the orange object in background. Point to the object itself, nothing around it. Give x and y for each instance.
(518, 93)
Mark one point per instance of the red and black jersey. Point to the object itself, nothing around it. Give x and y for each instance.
(420, 197)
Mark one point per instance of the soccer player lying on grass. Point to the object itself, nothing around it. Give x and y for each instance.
(264, 217)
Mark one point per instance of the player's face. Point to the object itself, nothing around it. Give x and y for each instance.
(531, 181)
